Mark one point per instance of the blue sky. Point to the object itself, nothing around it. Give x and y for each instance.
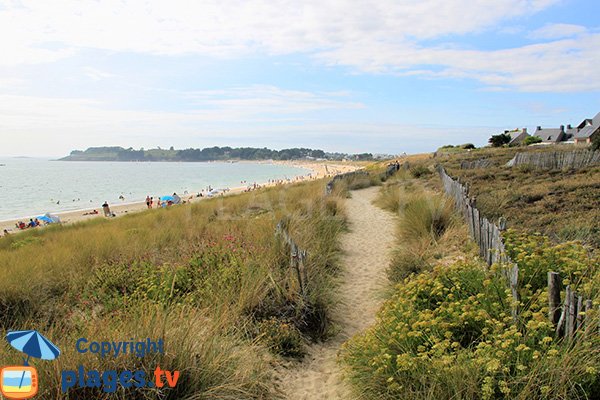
(390, 76)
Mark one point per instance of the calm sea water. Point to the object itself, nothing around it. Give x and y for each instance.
(30, 187)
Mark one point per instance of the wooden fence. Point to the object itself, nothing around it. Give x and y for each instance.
(556, 159)
(481, 163)
(297, 256)
(569, 316)
(486, 234)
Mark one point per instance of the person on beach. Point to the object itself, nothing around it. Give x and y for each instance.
(148, 204)
(106, 209)
(6, 232)
(176, 199)
(151, 201)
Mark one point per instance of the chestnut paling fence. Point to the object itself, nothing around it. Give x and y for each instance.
(556, 159)
(569, 315)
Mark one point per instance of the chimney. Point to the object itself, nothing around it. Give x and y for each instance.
(569, 126)
(562, 128)
(525, 130)
(506, 131)
(539, 128)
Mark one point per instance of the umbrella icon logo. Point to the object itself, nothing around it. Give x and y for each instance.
(21, 382)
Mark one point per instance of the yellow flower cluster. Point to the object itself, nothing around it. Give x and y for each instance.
(456, 318)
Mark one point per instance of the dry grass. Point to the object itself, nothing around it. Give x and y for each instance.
(564, 205)
(429, 232)
(202, 276)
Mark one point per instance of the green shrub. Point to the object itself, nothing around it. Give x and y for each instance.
(529, 140)
(425, 216)
(406, 262)
(419, 171)
(281, 337)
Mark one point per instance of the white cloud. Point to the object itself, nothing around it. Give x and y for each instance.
(558, 66)
(96, 74)
(557, 31)
(374, 37)
(228, 28)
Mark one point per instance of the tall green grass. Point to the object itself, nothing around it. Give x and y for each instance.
(427, 226)
(212, 279)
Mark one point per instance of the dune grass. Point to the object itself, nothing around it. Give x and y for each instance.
(427, 226)
(447, 332)
(212, 279)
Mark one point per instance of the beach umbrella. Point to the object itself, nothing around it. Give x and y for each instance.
(53, 217)
(167, 198)
(45, 219)
(33, 344)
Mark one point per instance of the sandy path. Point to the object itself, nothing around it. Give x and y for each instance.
(366, 255)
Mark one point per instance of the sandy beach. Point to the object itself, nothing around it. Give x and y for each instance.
(317, 169)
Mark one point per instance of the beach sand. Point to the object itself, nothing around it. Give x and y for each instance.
(317, 170)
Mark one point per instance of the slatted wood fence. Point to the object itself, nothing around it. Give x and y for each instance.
(481, 163)
(567, 316)
(556, 159)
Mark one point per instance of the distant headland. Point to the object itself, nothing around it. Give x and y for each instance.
(216, 153)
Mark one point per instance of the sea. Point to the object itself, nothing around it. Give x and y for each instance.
(34, 186)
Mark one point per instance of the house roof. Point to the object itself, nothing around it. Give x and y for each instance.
(589, 130)
(571, 132)
(550, 134)
(516, 134)
(584, 123)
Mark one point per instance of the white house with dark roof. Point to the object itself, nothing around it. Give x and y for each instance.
(550, 135)
(588, 130)
(517, 136)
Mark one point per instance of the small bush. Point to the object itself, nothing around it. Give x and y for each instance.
(426, 216)
(281, 337)
(420, 170)
(406, 262)
(529, 140)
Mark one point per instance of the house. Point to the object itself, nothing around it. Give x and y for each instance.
(570, 132)
(516, 136)
(590, 129)
(550, 135)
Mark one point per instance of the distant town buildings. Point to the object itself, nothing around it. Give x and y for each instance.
(582, 134)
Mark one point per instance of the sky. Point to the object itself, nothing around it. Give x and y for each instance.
(385, 76)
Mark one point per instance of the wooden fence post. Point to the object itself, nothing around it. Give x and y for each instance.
(569, 312)
(586, 320)
(579, 315)
(554, 298)
(514, 280)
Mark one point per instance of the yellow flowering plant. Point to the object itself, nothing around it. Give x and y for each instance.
(449, 332)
